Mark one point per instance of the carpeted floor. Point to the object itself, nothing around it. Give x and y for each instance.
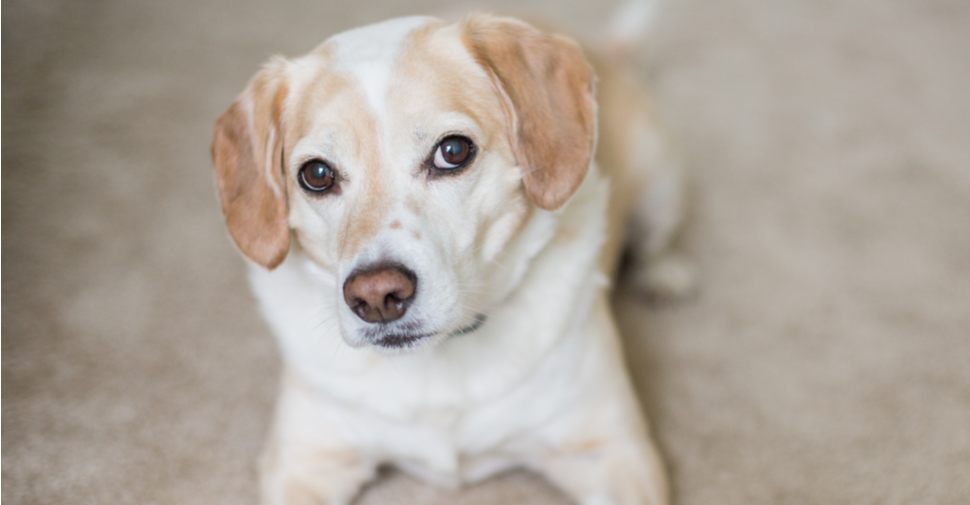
(826, 359)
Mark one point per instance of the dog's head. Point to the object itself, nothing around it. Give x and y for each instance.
(408, 160)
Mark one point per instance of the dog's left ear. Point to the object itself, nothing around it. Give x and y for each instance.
(247, 152)
(548, 88)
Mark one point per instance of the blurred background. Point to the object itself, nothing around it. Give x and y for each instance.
(825, 359)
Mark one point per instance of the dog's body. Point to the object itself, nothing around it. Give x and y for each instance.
(490, 274)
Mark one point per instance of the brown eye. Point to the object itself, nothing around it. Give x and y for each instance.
(316, 175)
(452, 152)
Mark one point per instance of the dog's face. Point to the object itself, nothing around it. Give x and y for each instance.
(408, 159)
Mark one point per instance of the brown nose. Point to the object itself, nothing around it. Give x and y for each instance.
(380, 294)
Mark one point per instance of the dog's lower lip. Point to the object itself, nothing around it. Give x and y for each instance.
(400, 340)
(479, 321)
(406, 340)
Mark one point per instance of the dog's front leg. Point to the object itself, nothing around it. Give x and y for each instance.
(307, 460)
(599, 450)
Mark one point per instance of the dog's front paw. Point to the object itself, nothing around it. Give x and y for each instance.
(623, 471)
(324, 482)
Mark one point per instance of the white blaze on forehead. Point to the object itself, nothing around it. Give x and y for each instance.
(368, 53)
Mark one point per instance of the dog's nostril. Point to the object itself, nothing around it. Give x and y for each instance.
(380, 294)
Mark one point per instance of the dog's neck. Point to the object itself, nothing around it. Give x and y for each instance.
(551, 302)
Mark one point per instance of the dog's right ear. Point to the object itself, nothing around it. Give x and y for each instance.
(247, 154)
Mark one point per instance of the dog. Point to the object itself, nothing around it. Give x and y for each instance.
(431, 239)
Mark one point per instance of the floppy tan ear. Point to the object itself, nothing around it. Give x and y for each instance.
(548, 86)
(247, 152)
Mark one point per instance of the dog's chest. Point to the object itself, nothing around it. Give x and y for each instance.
(457, 413)
(451, 442)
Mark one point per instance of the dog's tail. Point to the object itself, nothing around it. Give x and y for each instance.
(629, 26)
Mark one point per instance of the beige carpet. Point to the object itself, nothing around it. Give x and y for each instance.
(826, 359)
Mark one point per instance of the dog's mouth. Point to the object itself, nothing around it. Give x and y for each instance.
(406, 337)
(479, 320)
(400, 340)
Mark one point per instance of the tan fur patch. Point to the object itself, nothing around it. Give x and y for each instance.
(413, 205)
(342, 97)
(365, 216)
(585, 446)
(566, 234)
(300, 493)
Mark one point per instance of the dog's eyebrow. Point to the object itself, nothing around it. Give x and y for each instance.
(320, 145)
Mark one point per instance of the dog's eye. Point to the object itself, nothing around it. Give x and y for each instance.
(316, 176)
(453, 152)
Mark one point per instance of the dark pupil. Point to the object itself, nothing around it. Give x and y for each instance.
(317, 175)
(454, 151)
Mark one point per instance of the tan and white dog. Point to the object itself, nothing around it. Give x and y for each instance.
(431, 241)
